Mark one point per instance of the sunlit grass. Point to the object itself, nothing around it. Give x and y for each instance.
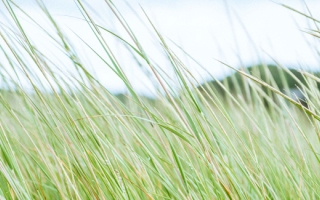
(68, 137)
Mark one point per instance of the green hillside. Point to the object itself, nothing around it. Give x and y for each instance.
(280, 78)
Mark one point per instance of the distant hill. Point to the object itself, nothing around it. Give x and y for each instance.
(271, 74)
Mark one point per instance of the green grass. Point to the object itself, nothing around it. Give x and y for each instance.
(79, 141)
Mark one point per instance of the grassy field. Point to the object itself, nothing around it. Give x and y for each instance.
(79, 141)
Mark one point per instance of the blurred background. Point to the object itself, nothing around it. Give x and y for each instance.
(237, 32)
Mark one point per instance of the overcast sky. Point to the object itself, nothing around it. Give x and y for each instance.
(206, 29)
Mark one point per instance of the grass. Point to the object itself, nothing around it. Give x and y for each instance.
(76, 140)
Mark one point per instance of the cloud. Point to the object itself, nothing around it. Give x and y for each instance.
(204, 29)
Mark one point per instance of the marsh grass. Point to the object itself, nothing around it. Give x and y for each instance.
(79, 141)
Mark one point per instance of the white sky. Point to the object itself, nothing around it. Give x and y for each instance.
(206, 29)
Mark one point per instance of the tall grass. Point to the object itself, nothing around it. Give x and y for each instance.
(68, 137)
